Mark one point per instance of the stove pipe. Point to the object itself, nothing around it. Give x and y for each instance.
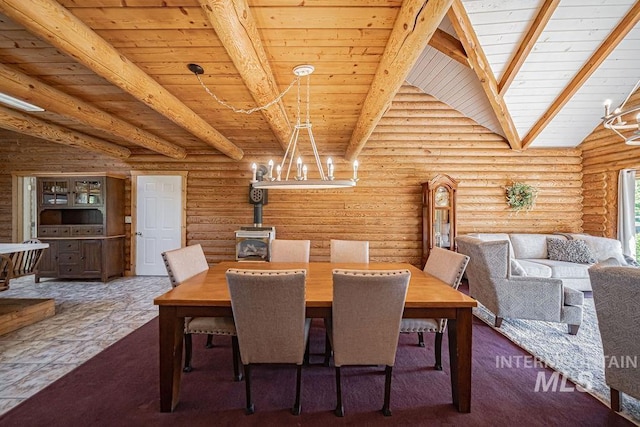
(257, 215)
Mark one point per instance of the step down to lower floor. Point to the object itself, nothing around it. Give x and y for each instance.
(16, 313)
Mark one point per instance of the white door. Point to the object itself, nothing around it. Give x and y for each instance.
(158, 221)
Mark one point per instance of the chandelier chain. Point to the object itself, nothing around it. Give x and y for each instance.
(252, 110)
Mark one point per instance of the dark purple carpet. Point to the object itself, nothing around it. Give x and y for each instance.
(120, 387)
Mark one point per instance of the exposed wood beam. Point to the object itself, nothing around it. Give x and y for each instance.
(478, 61)
(29, 125)
(617, 35)
(54, 23)
(14, 83)
(527, 43)
(450, 46)
(237, 30)
(416, 22)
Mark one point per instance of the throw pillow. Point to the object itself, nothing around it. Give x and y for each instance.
(517, 269)
(569, 250)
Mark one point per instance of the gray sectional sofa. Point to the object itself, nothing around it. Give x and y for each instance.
(529, 256)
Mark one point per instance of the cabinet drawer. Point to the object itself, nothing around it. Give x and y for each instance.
(70, 270)
(68, 258)
(54, 231)
(68, 246)
(87, 230)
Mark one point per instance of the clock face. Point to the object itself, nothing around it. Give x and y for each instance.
(442, 197)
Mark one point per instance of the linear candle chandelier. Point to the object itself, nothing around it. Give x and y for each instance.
(267, 177)
(280, 180)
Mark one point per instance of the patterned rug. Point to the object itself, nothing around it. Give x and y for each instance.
(579, 357)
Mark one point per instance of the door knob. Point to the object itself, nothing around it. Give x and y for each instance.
(138, 233)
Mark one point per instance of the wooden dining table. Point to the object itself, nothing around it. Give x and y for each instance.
(207, 294)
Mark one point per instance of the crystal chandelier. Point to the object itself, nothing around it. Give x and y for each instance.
(613, 120)
(279, 178)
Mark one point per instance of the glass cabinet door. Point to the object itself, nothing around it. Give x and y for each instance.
(87, 192)
(54, 192)
(442, 228)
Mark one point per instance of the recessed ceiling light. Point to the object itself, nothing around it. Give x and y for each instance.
(17, 103)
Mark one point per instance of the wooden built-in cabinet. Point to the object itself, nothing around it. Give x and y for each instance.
(438, 214)
(82, 219)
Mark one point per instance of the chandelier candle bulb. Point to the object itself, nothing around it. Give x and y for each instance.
(607, 107)
(254, 170)
(355, 170)
(330, 168)
(299, 168)
(304, 172)
(278, 173)
(270, 173)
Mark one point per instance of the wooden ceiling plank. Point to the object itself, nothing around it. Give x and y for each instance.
(480, 65)
(236, 28)
(36, 92)
(450, 46)
(527, 43)
(52, 22)
(22, 123)
(611, 42)
(415, 24)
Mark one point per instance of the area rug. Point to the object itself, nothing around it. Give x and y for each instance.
(119, 387)
(577, 357)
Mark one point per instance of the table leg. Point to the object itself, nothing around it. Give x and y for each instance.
(459, 331)
(171, 335)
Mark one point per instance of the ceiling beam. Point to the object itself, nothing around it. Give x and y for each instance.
(527, 43)
(29, 125)
(21, 86)
(479, 63)
(416, 22)
(450, 46)
(55, 24)
(617, 35)
(238, 33)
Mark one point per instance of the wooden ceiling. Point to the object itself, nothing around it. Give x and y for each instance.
(112, 74)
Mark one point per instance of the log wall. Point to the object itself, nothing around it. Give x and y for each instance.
(418, 138)
(604, 155)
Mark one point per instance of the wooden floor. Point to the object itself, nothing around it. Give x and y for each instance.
(18, 312)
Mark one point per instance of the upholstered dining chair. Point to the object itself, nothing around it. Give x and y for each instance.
(350, 251)
(449, 267)
(283, 250)
(269, 312)
(365, 324)
(616, 295)
(182, 264)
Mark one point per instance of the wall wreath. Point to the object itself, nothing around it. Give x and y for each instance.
(521, 196)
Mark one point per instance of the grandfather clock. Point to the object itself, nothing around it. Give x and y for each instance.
(438, 214)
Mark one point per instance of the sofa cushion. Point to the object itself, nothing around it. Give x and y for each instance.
(570, 251)
(562, 269)
(526, 246)
(534, 268)
(602, 247)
